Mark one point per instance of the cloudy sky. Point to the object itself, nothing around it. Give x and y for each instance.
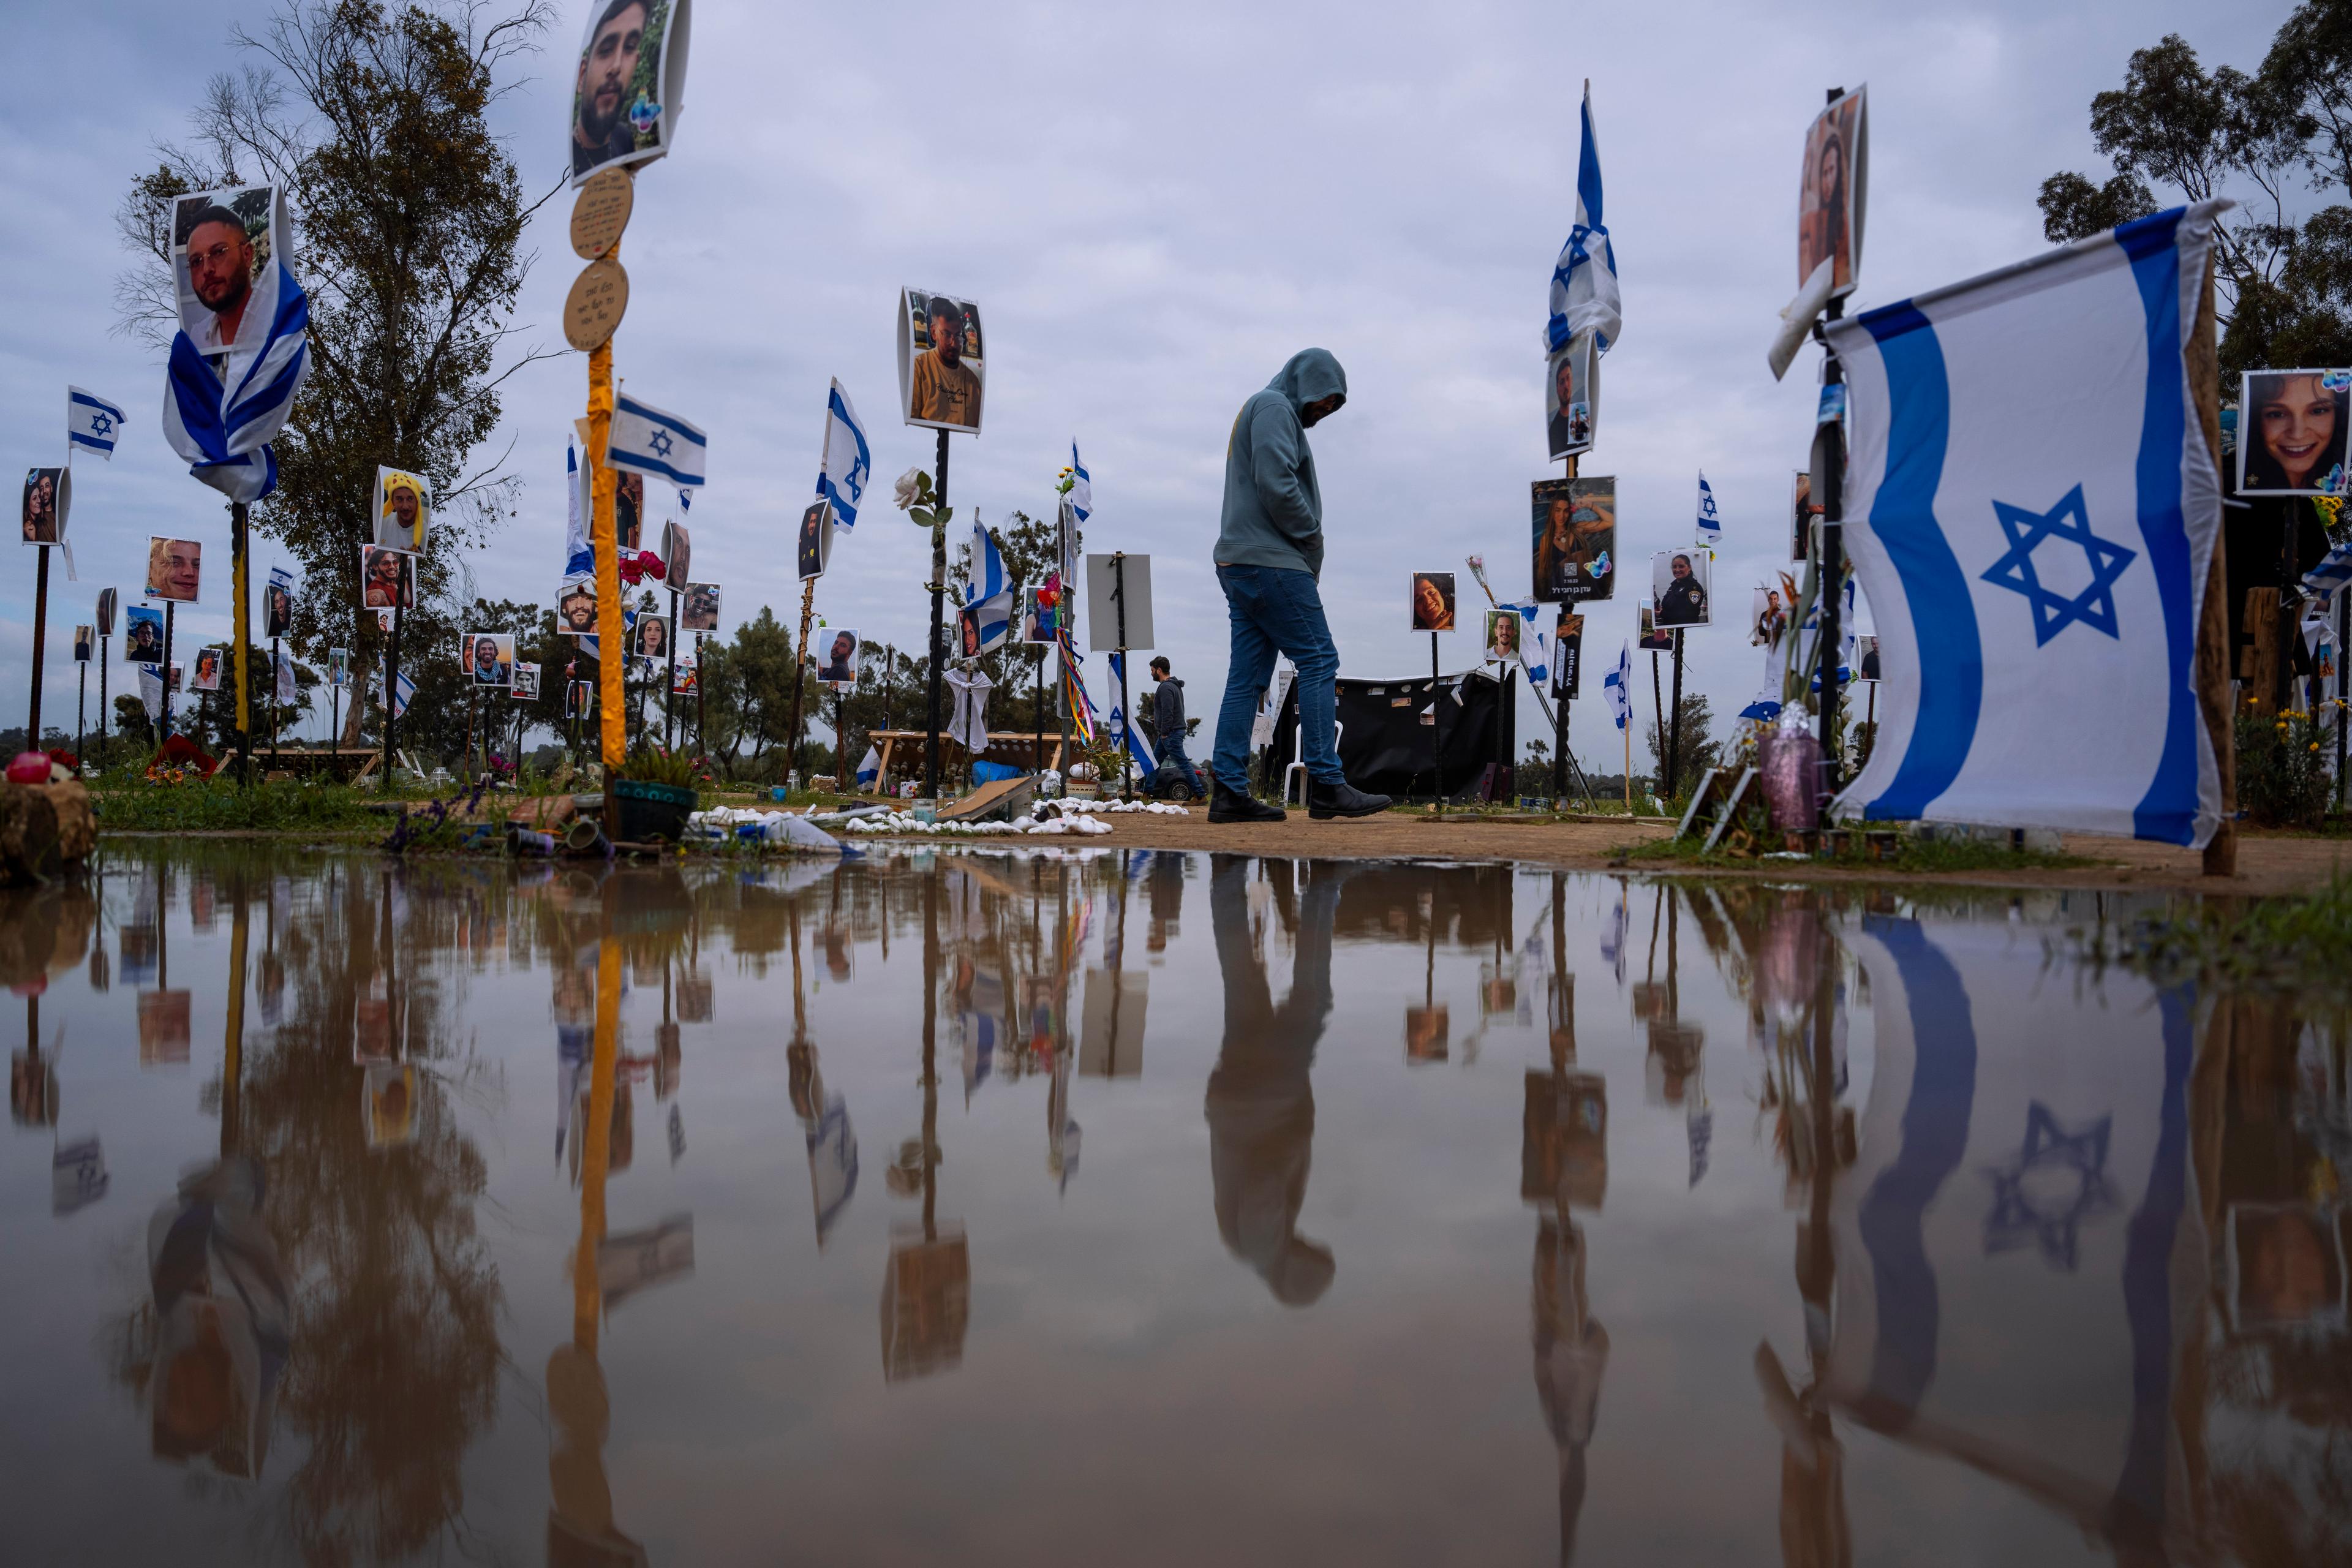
(1154, 207)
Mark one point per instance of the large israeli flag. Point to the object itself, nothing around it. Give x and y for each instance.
(2032, 509)
(848, 462)
(91, 423)
(651, 442)
(2019, 1250)
(1584, 279)
(223, 404)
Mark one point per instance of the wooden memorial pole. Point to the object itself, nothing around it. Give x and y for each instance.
(1436, 736)
(800, 675)
(670, 698)
(167, 667)
(2213, 622)
(1657, 707)
(1675, 726)
(599, 298)
(105, 727)
(81, 714)
(40, 641)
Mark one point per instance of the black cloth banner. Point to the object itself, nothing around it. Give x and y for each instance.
(1384, 747)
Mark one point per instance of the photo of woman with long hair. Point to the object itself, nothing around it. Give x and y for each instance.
(2292, 428)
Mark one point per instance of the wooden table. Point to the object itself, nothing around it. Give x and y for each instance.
(1036, 744)
(345, 763)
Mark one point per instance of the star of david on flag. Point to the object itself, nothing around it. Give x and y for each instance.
(847, 462)
(2028, 452)
(2094, 606)
(648, 441)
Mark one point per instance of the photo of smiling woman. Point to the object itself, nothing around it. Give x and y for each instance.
(1433, 601)
(175, 566)
(2293, 425)
(44, 517)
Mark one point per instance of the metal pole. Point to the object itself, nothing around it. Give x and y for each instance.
(841, 779)
(390, 693)
(106, 647)
(82, 716)
(273, 701)
(1436, 747)
(167, 667)
(670, 698)
(41, 642)
(335, 717)
(939, 641)
(1657, 707)
(2343, 692)
(1674, 730)
(1127, 713)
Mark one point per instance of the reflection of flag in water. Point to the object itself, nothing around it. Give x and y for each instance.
(2036, 566)
(572, 1042)
(2018, 1250)
(832, 1163)
(976, 1027)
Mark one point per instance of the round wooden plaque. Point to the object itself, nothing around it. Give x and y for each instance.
(601, 213)
(599, 298)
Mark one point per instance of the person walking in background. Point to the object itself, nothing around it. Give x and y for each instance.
(1168, 722)
(1269, 552)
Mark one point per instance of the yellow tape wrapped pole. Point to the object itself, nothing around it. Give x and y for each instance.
(609, 650)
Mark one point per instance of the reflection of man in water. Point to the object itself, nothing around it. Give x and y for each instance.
(1261, 1105)
(945, 388)
(223, 1320)
(1571, 1352)
(600, 121)
(1684, 604)
(220, 271)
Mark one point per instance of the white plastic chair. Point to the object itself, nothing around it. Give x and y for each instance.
(1299, 758)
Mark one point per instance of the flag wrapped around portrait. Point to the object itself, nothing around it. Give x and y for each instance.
(2032, 509)
(242, 348)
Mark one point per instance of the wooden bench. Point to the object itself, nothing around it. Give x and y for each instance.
(1037, 745)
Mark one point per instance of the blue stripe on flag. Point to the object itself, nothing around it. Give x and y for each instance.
(1935, 1137)
(668, 422)
(2167, 812)
(2139, 1508)
(1903, 516)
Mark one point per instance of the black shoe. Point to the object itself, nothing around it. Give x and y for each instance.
(1325, 800)
(1230, 805)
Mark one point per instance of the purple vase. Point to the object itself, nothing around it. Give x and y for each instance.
(1789, 759)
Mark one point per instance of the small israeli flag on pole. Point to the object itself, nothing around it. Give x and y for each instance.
(579, 557)
(2331, 573)
(1710, 523)
(648, 441)
(987, 566)
(92, 424)
(848, 462)
(1082, 491)
(869, 768)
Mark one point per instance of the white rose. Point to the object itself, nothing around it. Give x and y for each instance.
(909, 488)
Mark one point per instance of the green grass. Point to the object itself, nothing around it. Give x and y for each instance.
(2299, 944)
(1912, 857)
(222, 806)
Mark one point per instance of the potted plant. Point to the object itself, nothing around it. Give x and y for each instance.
(655, 792)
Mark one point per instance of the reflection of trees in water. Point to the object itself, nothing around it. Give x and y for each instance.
(396, 1355)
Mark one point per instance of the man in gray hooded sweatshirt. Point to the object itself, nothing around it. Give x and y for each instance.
(1269, 553)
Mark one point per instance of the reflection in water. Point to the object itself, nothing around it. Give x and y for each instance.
(2059, 1257)
(1261, 1106)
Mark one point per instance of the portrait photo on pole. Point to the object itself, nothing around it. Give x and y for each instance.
(837, 664)
(221, 246)
(487, 657)
(338, 666)
(576, 607)
(85, 643)
(208, 670)
(1571, 397)
(1502, 637)
(49, 497)
(1573, 525)
(1432, 602)
(1768, 617)
(1830, 201)
(651, 638)
(524, 683)
(107, 600)
(1648, 634)
(1037, 624)
(277, 603)
(175, 569)
(939, 368)
(403, 509)
(685, 682)
(625, 99)
(2293, 429)
(387, 578)
(580, 699)
(816, 546)
(142, 640)
(1679, 586)
(699, 611)
(677, 553)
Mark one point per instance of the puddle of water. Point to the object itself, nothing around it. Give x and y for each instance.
(1148, 1208)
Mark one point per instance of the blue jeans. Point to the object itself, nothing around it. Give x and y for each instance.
(1171, 751)
(1276, 610)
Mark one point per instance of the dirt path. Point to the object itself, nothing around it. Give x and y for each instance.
(2265, 865)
